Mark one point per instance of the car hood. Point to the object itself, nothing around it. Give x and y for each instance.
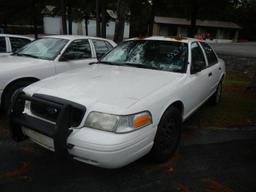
(115, 86)
(10, 62)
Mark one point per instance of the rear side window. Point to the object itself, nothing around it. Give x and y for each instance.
(18, 43)
(2, 45)
(78, 49)
(101, 47)
(211, 57)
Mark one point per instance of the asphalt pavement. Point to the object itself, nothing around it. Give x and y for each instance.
(209, 160)
(244, 49)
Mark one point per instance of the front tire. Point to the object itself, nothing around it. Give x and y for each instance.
(168, 135)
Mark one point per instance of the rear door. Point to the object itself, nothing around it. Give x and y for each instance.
(213, 65)
(17, 43)
(3, 46)
(77, 54)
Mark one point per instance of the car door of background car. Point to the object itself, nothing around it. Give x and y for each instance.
(197, 86)
(214, 66)
(77, 54)
(17, 43)
(4, 48)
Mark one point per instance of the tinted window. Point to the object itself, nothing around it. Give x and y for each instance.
(159, 55)
(17, 43)
(78, 49)
(101, 47)
(197, 55)
(211, 57)
(2, 45)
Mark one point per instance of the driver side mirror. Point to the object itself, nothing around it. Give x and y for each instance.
(197, 66)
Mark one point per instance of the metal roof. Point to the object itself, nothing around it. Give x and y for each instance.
(201, 23)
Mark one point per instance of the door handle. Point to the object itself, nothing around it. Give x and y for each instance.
(219, 68)
(210, 74)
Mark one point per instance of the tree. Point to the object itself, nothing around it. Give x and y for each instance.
(122, 9)
(63, 16)
(139, 9)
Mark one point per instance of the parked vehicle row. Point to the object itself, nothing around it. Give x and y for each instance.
(46, 57)
(110, 113)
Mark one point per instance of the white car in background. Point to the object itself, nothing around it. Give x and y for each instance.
(131, 102)
(45, 57)
(11, 43)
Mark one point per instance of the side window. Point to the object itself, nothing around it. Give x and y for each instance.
(211, 57)
(78, 49)
(2, 45)
(198, 60)
(18, 43)
(101, 47)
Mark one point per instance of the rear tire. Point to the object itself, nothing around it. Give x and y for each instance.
(8, 94)
(168, 135)
(216, 97)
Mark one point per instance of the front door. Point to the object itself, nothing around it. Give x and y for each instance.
(78, 54)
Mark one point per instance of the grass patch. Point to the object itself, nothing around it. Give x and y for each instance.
(236, 109)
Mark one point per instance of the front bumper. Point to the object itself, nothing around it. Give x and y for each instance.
(99, 148)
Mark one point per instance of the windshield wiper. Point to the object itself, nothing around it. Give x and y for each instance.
(125, 64)
(104, 62)
(26, 55)
(139, 66)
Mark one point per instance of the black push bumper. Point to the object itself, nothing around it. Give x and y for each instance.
(58, 131)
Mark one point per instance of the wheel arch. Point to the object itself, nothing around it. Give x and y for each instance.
(177, 104)
(29, 79)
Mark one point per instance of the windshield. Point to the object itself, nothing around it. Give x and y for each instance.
(47, 48)
(159, 55)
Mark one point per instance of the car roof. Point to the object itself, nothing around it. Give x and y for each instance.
(11, 35)
(73, 37)
(167, 38)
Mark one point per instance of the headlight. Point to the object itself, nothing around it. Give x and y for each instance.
(118, 123)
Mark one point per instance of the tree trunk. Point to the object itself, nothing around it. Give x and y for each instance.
(120, 21)
(34, 7)
(153, 12)
(104, 21)
(98, 18)
(63, 16)
(70, 19)
(193, 17)
(86, 25)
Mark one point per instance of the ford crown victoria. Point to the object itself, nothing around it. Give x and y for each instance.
(132, 102)
(46, 57)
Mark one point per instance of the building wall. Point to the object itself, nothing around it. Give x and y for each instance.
(53, 26)
(215, 34)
